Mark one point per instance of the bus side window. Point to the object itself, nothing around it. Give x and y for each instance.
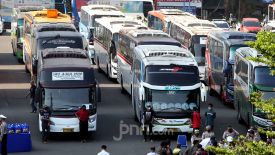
(244, 72)
(238, 66)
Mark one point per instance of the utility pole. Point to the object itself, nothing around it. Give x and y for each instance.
(239, 12)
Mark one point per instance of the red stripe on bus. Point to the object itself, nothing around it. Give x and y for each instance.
(123, 58)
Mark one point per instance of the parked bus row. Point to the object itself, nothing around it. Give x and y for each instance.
(56, 56)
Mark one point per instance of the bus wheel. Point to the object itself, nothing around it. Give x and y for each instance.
(123, 91)
(108, 72)
(98, 67)
(135, 111)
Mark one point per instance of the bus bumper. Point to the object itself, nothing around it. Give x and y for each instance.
(70, 124)
(172, 126)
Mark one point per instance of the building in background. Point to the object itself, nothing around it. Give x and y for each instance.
(192, 6)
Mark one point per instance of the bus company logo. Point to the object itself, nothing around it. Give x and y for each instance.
(174, 69)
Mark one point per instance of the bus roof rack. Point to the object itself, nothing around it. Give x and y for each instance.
(64, 53)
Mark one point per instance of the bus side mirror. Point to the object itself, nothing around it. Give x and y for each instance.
(34, 65)
(98, 93)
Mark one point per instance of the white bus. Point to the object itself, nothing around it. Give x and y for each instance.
(136, 8)
(87, 21)
(166, 78)
(192, 34)
(128, 40)
(106, 41)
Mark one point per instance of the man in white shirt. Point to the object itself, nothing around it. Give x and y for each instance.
(153, 151)
(103, 150)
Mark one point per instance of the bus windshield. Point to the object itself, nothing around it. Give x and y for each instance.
(137, 7)
(163, 75)
(198, 48)
(171, 101)
(66, 99)
(232, 52)
(263, 77)
(72, 42)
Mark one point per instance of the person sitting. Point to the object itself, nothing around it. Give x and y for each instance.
(208, 133)
(230, 132)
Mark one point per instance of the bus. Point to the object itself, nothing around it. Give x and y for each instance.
(33, 19)
(65, 82)
(52, 35)
(161, 19)
(128, 40)
(106, 41)
(87, 21)
(166, 78)
(17, 23)
(249, 77)
(192, 34)
(134, 8)
(220, 57)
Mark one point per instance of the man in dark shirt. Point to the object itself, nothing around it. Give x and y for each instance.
(147, 119)
(45, 119)
(32, 95)
(83, 115)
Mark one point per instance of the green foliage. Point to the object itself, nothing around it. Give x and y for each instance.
(244, 147)
(265, 43)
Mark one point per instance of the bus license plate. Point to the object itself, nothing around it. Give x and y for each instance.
(68, 130)
(174, 130)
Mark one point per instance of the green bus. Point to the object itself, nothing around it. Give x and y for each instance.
(17, 29)
(249, 77)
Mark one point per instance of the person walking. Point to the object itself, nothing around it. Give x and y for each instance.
(147, 119)
(83, 115)
(210, 116)
(45, 119)
(152, 151)
(230, 132)
(196, 119)
(103, 150)
(3, 135)
(32, 96)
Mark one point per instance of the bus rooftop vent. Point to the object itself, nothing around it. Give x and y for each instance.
(64, 54)
(178, 54)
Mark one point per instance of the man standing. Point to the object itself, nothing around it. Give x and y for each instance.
(32, 95)
(3, 136)
(83, 115)
(153, 151)
(196, 119)
(45, 119)
(147, 119)
(103, 150)
(210, 115)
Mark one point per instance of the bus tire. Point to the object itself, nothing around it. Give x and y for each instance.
(123, 91)
(98, 67)
(108, 72)
(135, 112)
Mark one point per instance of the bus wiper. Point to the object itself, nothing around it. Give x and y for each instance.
(50, 39)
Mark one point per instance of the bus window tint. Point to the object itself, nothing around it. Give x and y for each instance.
(172, 75)
(232, 53)
(147, 6)
(263, 77)
(198, 49)
(66, 98)
(72, 42)
(133, 7)
(171, 101)
(20, 22)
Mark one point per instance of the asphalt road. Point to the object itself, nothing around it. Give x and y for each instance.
(113, 112)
